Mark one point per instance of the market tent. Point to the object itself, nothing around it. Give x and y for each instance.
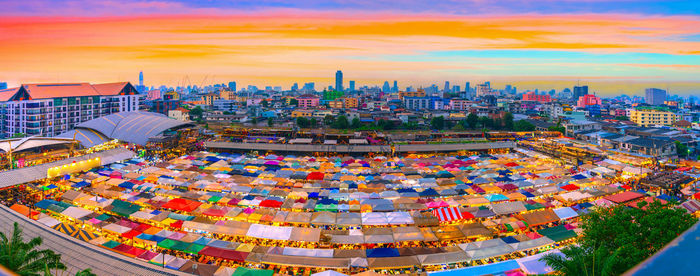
(269, 232)
(244, 271)
(488, 269)
(382, 252)
(540, 217)
(532, 244)
(510, 207)
(337, 263)
(565, 213)
(305, 234)
(64, 228)
(84, 235)
(557, 233)
(392, 262)
(443, 258)
(532, 265)
(374, 218)
(199, 268)
(328, 273)
(448, 214)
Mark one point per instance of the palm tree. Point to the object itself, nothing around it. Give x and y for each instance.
(23, 257)
(579, 261)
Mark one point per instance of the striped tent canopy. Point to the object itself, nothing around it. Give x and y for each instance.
(448, 214)
(65, 228)
(84, 235)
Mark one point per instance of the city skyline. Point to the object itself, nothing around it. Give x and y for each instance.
(618, 47)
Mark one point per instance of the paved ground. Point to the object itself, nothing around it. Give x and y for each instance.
(79, 255)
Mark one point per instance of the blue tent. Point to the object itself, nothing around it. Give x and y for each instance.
(494, 268)
(510, 239)
(382, 252)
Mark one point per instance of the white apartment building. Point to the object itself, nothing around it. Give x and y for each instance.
(51, 109)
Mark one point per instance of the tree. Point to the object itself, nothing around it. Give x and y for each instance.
(472, 120)
(270, 122)
(313, 122)
(523, 125)
(328, 120)
(197, 112)
(508, 121)
(437, 123)
(630, 235)
(485, 121)
(622, 118)
(458, 127)
(341, 122)
(18, 135)
(254, 121)
(302, 122)
(581, 261)
(497, 123)
(293, 102)
(23, 257)
(384, 124)
(264, 103)
(355, 123)
(681, 149)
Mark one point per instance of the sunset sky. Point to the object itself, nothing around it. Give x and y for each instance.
(614, 46)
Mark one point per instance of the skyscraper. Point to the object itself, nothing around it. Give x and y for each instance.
(580, 91)
(351, 85)
(3, 85)
(467, 91)
(232, 86)
(654, 96)
(295, 87)
(339, 81)
(386, 87)
(141, 78)
(395, 88)
(447, 87)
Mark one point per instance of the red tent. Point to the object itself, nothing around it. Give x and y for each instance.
(213, 212)
(570, 187)
(315, 176)
(182, 204)
(227, 254)
(512, 164)
(177, 224)
(626, 187)
(448, 214)
(270, 203)
(467, 215)
(131, 234)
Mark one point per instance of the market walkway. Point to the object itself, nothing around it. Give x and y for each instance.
(79, 255)
(33, 173)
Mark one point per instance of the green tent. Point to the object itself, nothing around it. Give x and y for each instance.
(242, 271)
(103, 217)
(124, 208)
(194, 248)
(214, 199)
(111, 244)
(167, 243)
(557, 233)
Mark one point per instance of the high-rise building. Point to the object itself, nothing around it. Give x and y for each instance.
(447, 87)
(232, 86)
(395, 88)
(386, 88)
(141, 78)
(456, 89)
(295, 87)
(579, 91)
(467, 91)
(309, 87)
(339, 81)
(654, 96)
(3, 85)
(351, 85)
(59, 107)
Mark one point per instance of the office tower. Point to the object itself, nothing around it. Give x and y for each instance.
(579, 91)
(455, 89)
(295, 87)
(141, 78)
(57, 108)
(351, 85)
(386, 88)
(277, 88)
(447, 86)
(488, 84)
(467, 91)
(338, 81)
(654, 96)
(395, 88)
(309, 87)
(3, 85)
(268, 88)
(232, 86)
